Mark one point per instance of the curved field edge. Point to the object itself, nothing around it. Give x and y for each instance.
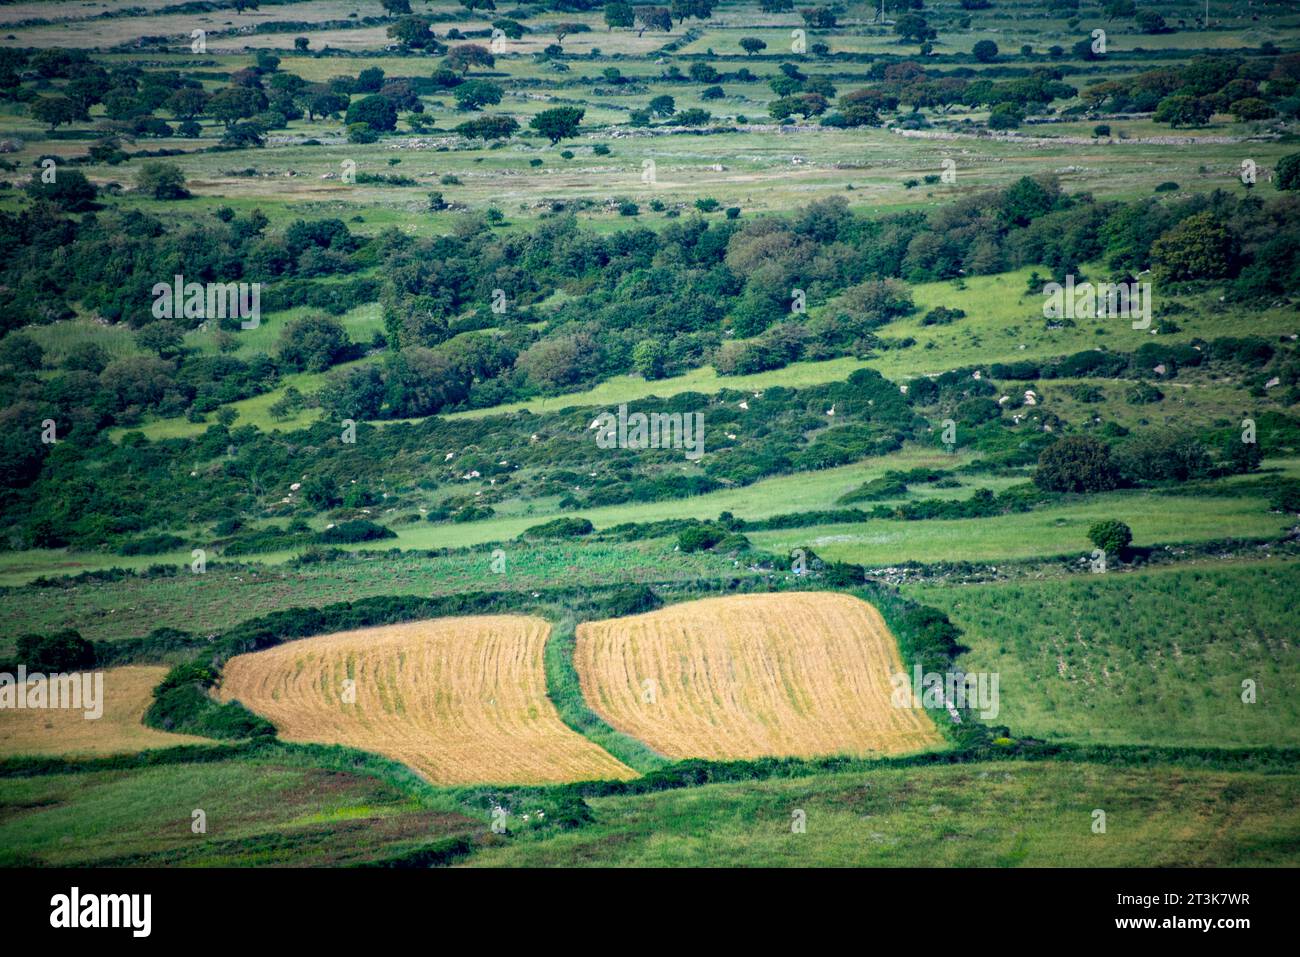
(793, 673)
(460, 699)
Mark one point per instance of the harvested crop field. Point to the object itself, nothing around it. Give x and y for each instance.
(800, 674)
(127, 694)
(459, 700)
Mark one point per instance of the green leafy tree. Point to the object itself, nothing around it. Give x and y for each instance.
(235, 103)
(559, 123)
(1199, 247)
(1076, 463)
(161, 181)
(163, 338)
(986, 51)
(619, 14)
(187, 103)
(476, 94)
(70, 190)
(468, 55)
(1286, 175)
(752, 45)
(313, 344)
(376, 112)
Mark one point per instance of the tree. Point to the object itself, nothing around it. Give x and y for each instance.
(1119, 9)
(187, 103)
(375, 111)
(752, 45)
(20, 351)
(467, 55)
(396, 8)
(648, 358)
(1184, 111)
(476, 94)
(413, 33)
(559, 123)
(1076, 463)
(235, 103)
(986, 51)
(1199, 247)
(1111, 536)
(1148, 21)
(355, 393)
(822, 18)
(422, 381)
(654, 18)
(369, 80)
(162, 181)
(563, 29)
(514, 29)
(163, 338)
(619, 14)
(1286, 175)
(56, 110)
(913, 26)
(1251, 108)
(70, 190)
(326, 104)
(300, 44)
(663, 105)
(313, 344)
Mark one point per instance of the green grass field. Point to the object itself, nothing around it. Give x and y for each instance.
(993, 815)
(1154, 657)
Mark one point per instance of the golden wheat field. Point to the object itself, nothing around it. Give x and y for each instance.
(800, 674)
(459, 700)
(127, 694)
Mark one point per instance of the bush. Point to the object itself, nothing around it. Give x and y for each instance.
(560, 528)
(700, 537)
(1111, 536)
(1076, 463)
(358, 530)
(62, 651)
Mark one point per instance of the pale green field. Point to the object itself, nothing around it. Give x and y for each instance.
(1152, 657)
(997, 814)
(1154, 519)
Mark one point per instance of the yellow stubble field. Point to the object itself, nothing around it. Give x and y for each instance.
(127, 694)
(458, 700)
(801, 674)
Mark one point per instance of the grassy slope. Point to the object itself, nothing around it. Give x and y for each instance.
(257, 813)
(1143, 658)
(990, 815)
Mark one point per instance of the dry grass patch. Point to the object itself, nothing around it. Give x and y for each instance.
(128, 692)
(801, 674)
(459, 700)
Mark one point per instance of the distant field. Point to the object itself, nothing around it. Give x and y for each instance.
(128, 692)
(802, 674)
(224, 596)
(1055, 530)
(1140, 658)
(982, 815)
(459, 700)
